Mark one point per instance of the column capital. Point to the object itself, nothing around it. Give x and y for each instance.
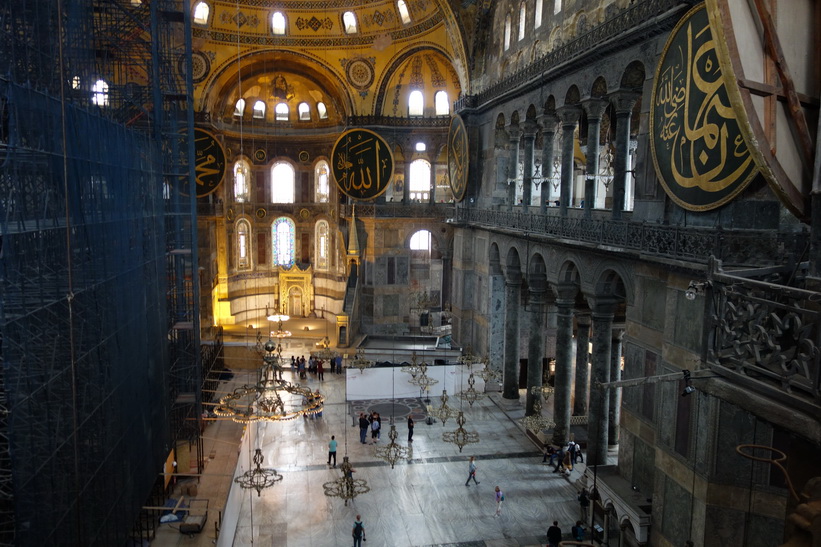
(530, 129)
(569, 114)
(514, 132)
(583, 319)
(603, 306)
(624, 101)
(595, 107)
(565, 294)
(548, 121)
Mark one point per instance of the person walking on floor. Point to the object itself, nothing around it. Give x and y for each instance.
(332, 450)
(320, 370)
(554, 535)
(471, 472)
(363, 427)
(500, 497)
(358, 532)
(578, 531)
(410, 429)
(375, 425)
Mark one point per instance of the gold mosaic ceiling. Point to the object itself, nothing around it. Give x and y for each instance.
(367, 72)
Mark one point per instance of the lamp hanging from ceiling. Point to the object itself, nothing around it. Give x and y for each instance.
(346, 487)
(536, 422)
(360, 361)
(258, 478)
(393, 452)
(444, 412)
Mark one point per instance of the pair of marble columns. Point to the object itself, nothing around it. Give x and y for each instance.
(603, 410)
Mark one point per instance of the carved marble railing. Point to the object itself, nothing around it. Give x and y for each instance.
(766, 336)
(415, 122)
(733, 247)
(630, 19)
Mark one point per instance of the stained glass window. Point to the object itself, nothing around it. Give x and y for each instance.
(283, 238)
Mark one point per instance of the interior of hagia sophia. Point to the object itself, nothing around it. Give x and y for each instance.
(544, 223)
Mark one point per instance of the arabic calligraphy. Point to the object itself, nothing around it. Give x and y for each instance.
(699, 152)
(362, 164)
(458, 158)
(209, 164)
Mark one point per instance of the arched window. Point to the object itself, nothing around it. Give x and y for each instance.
(420, 241)
(239, 108)
(304, 112)
(283, 238)
(322, 188)
(201, 11)
(322, 110)
(404, 14)
(99, 93)
(259, 110)
(322, 251)
(416, 103)
(507, 33)
(349, 22)
(242, 177)
(557, 6)
(420, 180)
(537, 15)
(420, 146)
(522, 19)
(243, 245)
(442, 103)
(282, 112)
(278, 23)
(282, 183)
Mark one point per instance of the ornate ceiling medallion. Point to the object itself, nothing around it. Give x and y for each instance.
(360, 73)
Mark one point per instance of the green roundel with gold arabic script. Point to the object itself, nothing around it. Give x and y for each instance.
(362, 164)
(699, 152)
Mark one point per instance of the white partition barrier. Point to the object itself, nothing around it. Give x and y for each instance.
(233, 504)
(391, 382)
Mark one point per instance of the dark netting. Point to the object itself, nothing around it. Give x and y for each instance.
(100, 344)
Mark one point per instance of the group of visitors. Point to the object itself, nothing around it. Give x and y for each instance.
(565, 457)
(315, 365)
(370, 422)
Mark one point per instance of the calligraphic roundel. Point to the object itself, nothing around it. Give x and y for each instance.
(699, 151)
(209, 164)
(458, 157)
(362, 164)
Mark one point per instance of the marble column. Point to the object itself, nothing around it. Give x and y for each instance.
(529, 136)
(582, 368)
(406, 186)
(603, 309)
(565, 298)
(595, 109)
(496, 344)
(569, 116)
(623, 103)
(548, 123)
(515, 135)
(614, 413)
(513, 284)
(432, 194)
(535, 342)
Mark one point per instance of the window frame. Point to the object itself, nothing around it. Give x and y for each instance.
(239, 195)
(416, 106)
(197, 19)
(274, 29)
(350, 24)
(276, 242)
(437, 103)
(275, 172)
(244, 246)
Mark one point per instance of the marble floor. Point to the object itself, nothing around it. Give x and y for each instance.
(423, 501)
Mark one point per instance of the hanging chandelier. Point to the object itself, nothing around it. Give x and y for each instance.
(325, 353)
(536, 422)
(270, 398)
(444, 412)
(470, 394)
(460, 437)
(413, 367)
(423, 381)
(487, 374)
(392, 452)
(258, 478)
(360, 361)
(346, 487)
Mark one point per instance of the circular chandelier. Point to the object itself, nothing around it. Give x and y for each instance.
(444, 412)
(393, 452)
(536, 422)
(270, 398)
(346, 487)
(360, 361)
(325, 353)
(460, 437)
(258, 478)
(470, 394)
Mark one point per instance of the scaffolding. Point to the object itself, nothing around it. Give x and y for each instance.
(100, 348)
